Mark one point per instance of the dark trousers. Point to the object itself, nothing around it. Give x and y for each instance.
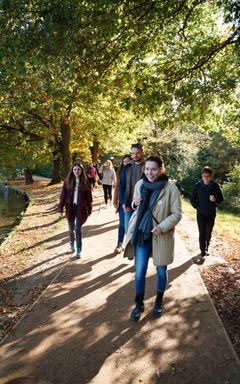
(75, 226)
(92, 181)
(205, 227)
(107, 190)
(121, 229)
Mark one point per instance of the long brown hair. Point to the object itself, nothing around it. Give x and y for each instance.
(71, 179)
(119, 171)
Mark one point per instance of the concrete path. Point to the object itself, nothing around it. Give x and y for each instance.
(79, 331)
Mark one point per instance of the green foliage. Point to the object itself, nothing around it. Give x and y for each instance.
(45, 170)
(186, 150)
(231, 11)
(231, 190)
(226, 222)
(82, 75)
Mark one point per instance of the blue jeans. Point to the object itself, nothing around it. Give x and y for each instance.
(127, 217)
(142, 256)
(75, 226)
(121, 229)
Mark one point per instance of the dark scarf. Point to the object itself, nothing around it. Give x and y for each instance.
(149, 195)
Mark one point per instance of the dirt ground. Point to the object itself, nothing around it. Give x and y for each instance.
(28, 264)
(35, 253)
(220, 273)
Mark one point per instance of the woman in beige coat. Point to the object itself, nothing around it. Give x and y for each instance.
(157, 207)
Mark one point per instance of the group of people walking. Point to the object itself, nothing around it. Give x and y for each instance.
(149, 208)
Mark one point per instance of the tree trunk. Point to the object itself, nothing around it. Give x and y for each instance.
(66, 158)
(56, 177)
(56, 146)
(95, 150)
(28, 176)
(74, 157)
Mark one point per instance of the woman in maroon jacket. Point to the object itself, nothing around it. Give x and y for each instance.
(76, 197)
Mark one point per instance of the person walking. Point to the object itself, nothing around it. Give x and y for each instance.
(119, 209)
(129, 176)
(91, 174)
(76, 197)
(157, 206)
(205, 196)
(108, 181)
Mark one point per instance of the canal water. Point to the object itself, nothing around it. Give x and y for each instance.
(12, 204)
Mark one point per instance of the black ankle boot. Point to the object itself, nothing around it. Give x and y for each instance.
(136, 313)
(158, 308)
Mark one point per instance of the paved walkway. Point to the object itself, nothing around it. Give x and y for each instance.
(79, 330)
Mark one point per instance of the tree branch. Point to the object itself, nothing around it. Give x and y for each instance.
(20, 129)
(39, 118)
(203, 60)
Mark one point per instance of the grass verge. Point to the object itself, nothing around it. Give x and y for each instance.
(225, 222)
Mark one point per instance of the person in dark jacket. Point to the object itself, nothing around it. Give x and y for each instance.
(76, 197)
(205, 196)
(121, 229)
(129, 177)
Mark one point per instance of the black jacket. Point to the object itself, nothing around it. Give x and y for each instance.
(200, 197)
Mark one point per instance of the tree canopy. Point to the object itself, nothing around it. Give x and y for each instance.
(79, 77)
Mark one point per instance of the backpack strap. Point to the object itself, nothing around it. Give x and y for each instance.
(154, 218)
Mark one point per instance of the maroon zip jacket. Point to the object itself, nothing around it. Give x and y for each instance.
(84, 203)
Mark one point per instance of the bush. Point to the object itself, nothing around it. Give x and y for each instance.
(45, 170)
(187, 183)
(231, 190)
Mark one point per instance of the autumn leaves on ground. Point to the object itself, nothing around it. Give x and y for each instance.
(29, 261)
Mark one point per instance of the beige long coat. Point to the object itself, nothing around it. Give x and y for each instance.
(167, 212)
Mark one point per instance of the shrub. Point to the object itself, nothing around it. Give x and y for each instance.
(231, 190)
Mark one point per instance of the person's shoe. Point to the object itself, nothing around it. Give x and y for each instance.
(158, 307)
(72, 246)
(139, 308)
(78, 255)
(118, 248)
(199, 259)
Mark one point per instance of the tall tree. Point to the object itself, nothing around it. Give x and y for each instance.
(155, 55)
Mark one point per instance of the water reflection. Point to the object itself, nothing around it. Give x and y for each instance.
(12, 203)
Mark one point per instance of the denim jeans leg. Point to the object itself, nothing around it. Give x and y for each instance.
(127, 217)
(121, 229)
(78, 233)
(71, 231)
(162, 278)
(142, 256)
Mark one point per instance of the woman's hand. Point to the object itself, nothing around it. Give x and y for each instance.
(126, 209)
(156, 231)
(137, 201)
